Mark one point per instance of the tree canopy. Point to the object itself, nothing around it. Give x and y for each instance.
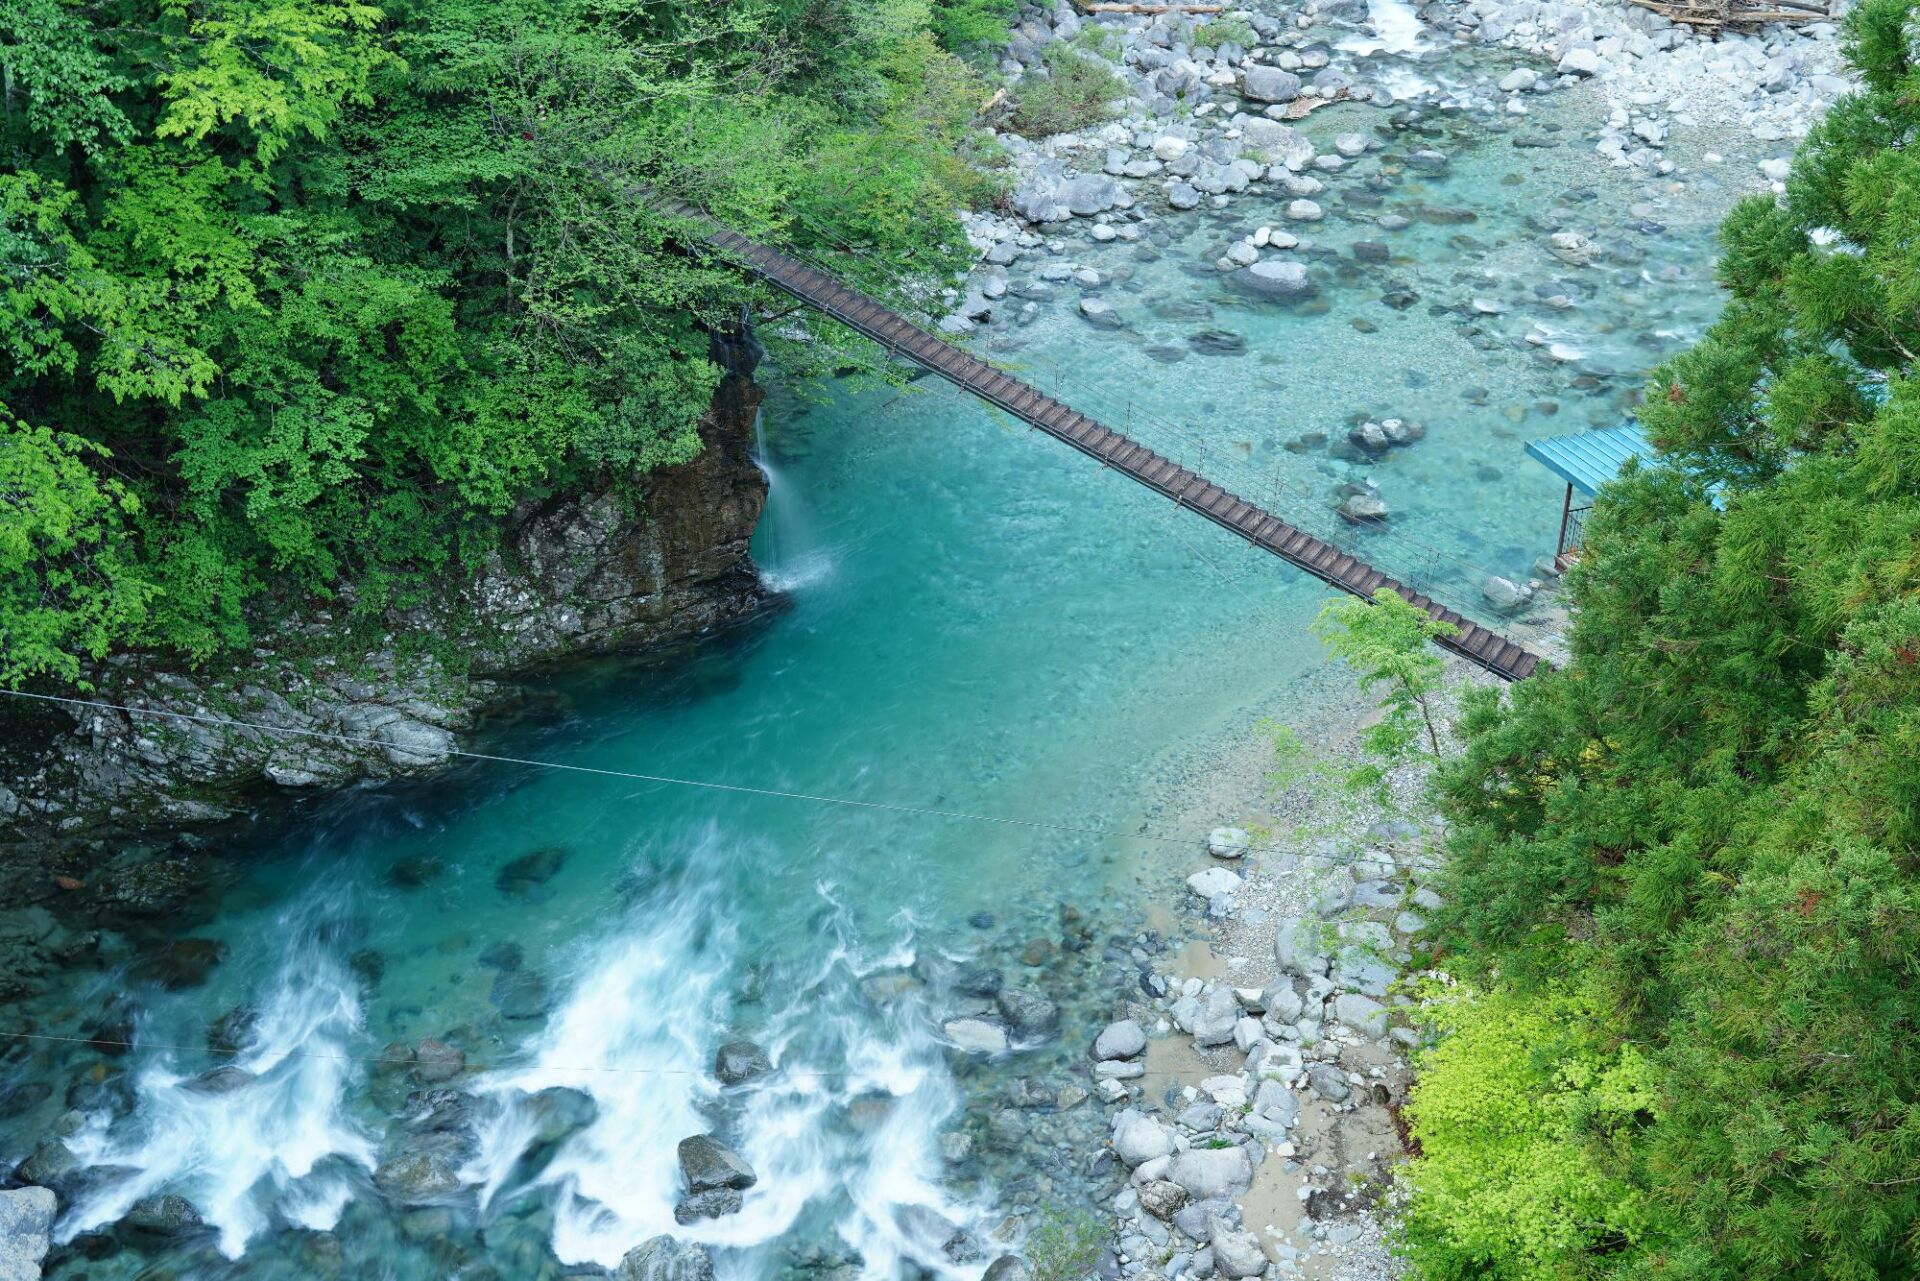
(1708, 826)
(298, 298)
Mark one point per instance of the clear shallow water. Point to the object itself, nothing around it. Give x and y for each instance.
(980, 622)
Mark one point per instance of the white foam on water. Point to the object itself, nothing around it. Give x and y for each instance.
(1403, 83)
(842, 1134)
(271, 1145)
(1397, 29)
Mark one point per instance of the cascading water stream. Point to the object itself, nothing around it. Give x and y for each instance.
(786, 544)
(841, 1134)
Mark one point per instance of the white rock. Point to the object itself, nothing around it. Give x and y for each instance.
(1228, 842)
(976, 1036)
(1122, 1040)
(1170, 147)
(1504, 594)
(1580, 62)
(1212, 881)
(1305, 211)
(1572, 248)
(1776, 170)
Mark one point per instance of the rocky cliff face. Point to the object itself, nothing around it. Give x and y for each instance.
(579, 574)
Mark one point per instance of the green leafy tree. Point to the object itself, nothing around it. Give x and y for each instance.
(319, 293)
(1387, 643)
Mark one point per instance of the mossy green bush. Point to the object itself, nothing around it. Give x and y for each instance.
(1074, 91)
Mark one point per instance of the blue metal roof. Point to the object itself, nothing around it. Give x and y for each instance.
(1589, 459)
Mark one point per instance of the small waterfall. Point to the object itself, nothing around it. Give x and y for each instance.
(786, 545)
(843, 1135)
(266, 1134)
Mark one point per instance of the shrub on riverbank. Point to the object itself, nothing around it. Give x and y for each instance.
(1711, 819)
(1519, 1106)
(1075, 92)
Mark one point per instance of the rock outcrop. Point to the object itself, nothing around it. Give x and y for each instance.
(623, 567)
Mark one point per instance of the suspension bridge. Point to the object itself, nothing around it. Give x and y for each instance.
(1188, 489)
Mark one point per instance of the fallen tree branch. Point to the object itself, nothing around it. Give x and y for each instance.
(1715, 14)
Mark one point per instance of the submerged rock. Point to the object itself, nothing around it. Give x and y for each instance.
(438, 1061)
(738, 1062)
(1028, 1013)
(519, 994)
(426, 1170)
(168, 1215)
(522, 876)
(1279, 281)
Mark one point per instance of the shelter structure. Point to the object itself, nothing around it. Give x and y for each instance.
(1586, 461)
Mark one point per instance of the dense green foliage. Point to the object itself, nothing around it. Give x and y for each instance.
(1709, 824)
(1518, 1119)
(299, 297)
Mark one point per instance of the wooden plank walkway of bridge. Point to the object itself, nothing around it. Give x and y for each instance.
(1188, 489)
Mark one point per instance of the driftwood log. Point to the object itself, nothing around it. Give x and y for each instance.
(1715, 15)
(1153, 8)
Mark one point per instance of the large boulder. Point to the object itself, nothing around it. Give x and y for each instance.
(1208, 1173)
(1211, 882)
(1276, 280)
(1278, 144)
(1219, 1014)
(708, 1163)
(26, 1232)
(1008, 1268)
(1297, 947)
(710, 1204)
(167, 1215)
(1270, 84)
(1228, 842)
(665, 1259)
(1090, 194)
(1274, 1102)
(1361, 1013)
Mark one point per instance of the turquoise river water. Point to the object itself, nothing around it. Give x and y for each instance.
(980, 622)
